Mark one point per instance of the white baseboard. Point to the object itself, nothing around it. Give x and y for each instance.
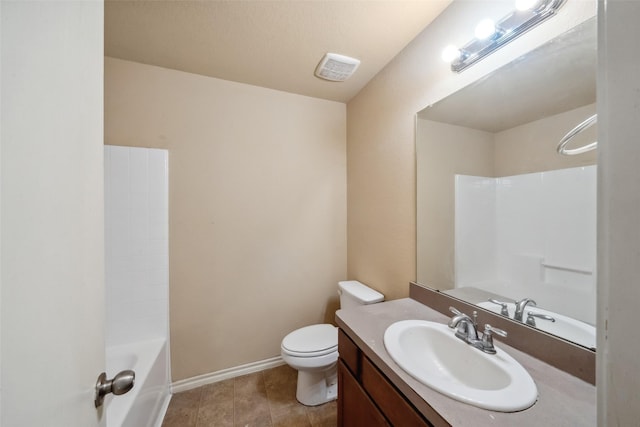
(214, 377)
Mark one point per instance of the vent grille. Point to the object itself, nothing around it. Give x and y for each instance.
(336, 68)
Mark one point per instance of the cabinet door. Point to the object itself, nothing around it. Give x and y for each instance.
(394, 406)
(355, 408)
(349, 353)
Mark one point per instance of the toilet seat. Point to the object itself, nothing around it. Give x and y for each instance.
(311, 341)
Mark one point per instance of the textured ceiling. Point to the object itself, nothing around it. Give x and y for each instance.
(274, 44)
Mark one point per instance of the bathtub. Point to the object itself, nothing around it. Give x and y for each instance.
(145, 404)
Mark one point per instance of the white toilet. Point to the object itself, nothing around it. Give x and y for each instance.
(313, 350)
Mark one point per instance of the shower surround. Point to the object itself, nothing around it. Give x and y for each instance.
(137, 282)
(531, 235)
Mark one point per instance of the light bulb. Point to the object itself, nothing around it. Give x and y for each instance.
(450, 53)
(526, 4)
(485, 29)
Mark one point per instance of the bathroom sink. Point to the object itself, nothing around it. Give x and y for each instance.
(431, 354)
(565, 327)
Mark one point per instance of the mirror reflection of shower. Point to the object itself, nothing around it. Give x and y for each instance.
(530, 235)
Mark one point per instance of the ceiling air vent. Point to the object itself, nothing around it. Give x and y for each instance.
(336, 68)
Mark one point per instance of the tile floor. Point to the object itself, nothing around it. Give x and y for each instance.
(262, 399)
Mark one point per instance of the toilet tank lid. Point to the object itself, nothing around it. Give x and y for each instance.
(361, 292)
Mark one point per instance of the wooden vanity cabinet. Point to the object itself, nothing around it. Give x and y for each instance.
(355, 407)
(366, 397)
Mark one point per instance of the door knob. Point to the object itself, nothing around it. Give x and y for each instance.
(120, 384)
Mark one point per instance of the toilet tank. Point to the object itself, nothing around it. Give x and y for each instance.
(353, 293)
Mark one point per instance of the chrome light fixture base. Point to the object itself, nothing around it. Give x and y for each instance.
(508, 28)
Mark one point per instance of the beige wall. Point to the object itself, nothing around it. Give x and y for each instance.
(380, 138)
(257, 207)
(442, 151)
(532, 147)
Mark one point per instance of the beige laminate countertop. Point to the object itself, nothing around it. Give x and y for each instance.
(563, 400)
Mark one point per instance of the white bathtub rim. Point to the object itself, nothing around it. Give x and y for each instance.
(225, 374)
(163, 410)
(141, 368)
(151, 349)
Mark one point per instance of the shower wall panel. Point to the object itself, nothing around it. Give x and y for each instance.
(136, 244)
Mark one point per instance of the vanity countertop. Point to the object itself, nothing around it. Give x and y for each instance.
(563, 400)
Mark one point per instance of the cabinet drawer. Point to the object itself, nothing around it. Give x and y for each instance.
(397, 410)
(349, 353)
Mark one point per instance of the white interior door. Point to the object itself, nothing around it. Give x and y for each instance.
(51, 211)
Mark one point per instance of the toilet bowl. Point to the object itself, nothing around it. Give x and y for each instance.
(313, 350)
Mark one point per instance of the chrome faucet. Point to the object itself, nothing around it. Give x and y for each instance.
(465, 326)
(466, 330)
(520, 306)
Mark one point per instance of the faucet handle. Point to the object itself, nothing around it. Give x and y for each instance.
(488, 330)
(531, 321)
(487, 338)
(455, 311)
(503, 306)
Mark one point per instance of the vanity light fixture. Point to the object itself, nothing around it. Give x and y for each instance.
(485, 29)
(490, 35)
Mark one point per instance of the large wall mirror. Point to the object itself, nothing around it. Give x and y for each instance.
(502, 217)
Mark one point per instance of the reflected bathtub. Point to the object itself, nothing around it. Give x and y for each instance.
(146, 403)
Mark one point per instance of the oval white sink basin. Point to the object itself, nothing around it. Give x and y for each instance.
(431, 353)
(564, 327)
